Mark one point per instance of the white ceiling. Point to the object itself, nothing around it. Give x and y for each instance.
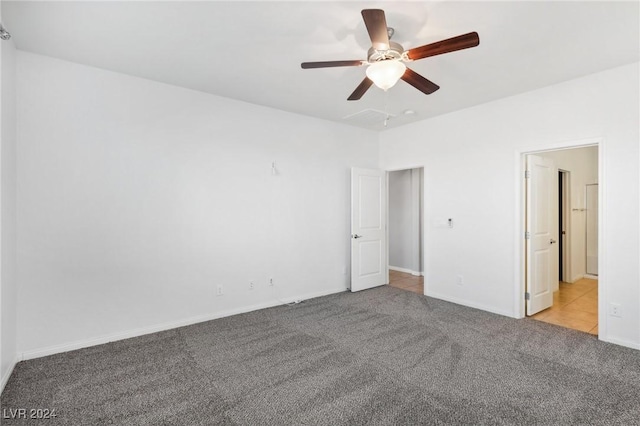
(252, 51)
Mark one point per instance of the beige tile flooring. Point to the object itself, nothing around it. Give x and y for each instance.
(406, 281)
(575, 306)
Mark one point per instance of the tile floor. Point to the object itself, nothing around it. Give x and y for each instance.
(406, 281)
(574, 306)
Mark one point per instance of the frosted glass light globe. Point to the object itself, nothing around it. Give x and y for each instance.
(385, 74)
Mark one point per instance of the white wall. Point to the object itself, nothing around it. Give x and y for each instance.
(472, 167)
(137, 199)
(583, 165)
(8, 286)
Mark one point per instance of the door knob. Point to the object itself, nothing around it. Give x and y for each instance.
(357, 236)
(552, 241)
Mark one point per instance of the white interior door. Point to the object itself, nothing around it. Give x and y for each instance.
(368, 229)
(540, 241)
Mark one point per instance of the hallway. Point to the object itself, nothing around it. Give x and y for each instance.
(405, 281)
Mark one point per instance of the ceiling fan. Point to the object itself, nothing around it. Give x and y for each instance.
(386, 58)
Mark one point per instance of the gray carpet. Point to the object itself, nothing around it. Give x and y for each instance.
(378, 357)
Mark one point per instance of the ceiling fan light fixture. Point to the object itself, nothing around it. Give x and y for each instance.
(386, 73)
(385, 57)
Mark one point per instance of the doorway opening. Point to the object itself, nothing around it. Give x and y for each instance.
(561, 206)
(405, 229)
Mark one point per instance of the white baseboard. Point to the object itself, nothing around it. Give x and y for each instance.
(51, 350)
(621, 342)
(581, 276)
(405, 270)
(5, 378)
(71, 346)
(470, 304)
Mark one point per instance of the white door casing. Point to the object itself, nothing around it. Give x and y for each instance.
(540, 242)
(591, 243)
(368, 233)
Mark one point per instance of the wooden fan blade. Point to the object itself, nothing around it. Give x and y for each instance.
(360, 90)
(328, 64)
(419, 82)
(376, 25)
(460, 42)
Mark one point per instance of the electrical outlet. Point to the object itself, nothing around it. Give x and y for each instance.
(250, 285)
(219, 290)
(270, 282)
(459, 280)
(615, 310)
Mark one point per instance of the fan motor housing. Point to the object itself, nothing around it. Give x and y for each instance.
(395, 52)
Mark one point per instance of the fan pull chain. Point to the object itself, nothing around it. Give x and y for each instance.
(386, 107)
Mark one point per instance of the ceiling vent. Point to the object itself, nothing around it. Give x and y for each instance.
(368, 117)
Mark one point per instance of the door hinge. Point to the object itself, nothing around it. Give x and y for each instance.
(527, 235)
(527, 296)
(527, 174)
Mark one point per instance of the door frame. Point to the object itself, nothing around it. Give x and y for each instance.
(519, 241)
(586, 233)
(424, 229)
